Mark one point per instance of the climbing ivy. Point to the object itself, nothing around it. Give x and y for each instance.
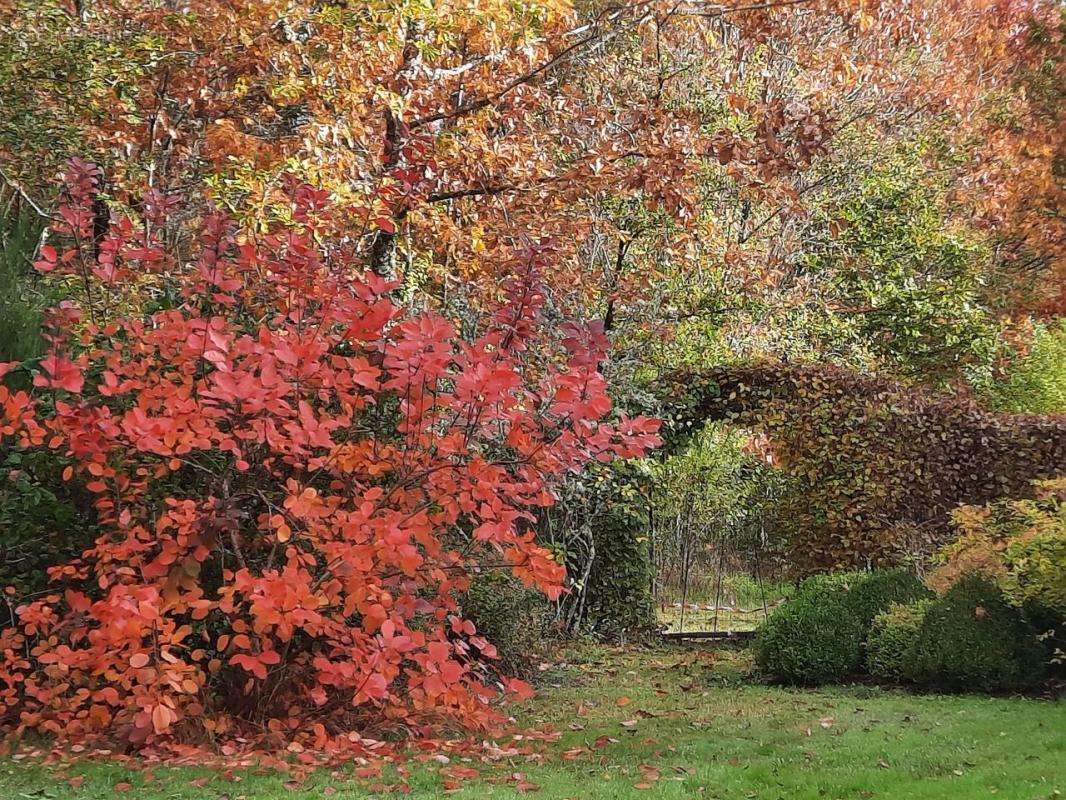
(619, 584)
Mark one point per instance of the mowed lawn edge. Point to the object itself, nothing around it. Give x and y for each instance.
(676, 723)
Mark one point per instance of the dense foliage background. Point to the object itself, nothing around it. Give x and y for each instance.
(335, 336)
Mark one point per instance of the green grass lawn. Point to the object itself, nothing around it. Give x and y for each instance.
(740, 602)
(684, 724)
(700, 617)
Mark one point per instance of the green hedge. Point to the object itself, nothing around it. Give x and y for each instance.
(818, 636)
(1036, 567)
(972, 638)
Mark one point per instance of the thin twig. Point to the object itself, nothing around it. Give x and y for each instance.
(24, 195)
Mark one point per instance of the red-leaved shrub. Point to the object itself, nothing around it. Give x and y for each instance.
(292, 476)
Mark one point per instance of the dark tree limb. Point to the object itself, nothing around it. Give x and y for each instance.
(382, 251)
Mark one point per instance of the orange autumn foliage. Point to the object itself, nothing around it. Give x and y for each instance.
(452, 131)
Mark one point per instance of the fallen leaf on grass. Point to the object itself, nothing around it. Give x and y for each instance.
(649, 772)
(123, 786)
(461, 773)
(623, 701)
(629, 723)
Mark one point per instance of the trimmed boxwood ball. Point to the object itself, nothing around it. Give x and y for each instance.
(874, 592)
(973, 639)
(818, 636)
(815, 637)
(891, 636)
(1050, 626)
